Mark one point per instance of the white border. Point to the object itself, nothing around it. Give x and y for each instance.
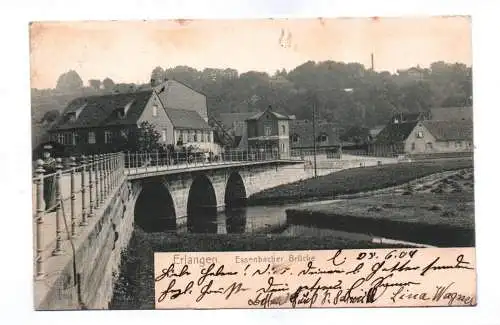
(16, 227)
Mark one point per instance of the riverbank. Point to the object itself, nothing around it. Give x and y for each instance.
(355, 180)
(439, 213)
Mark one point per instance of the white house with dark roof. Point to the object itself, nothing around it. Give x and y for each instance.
(424, 137)
(103, 123)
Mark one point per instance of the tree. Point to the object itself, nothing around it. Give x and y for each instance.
(157, 76)
(69, 81)
(95, 84)
(108, 84)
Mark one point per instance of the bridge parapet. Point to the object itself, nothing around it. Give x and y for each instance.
(140, 164)
(66, 198)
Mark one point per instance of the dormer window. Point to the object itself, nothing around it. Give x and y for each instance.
(420, 134)
(122, 112)
(322, 138)
(295, 138)
(73, 115)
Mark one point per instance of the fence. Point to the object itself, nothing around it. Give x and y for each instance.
(137, 162)
(80, 190)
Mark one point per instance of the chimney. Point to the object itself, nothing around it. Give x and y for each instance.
(373, 66)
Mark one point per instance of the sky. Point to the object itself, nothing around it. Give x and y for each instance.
(127, 51)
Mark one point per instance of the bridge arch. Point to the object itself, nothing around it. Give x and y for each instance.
(202, 206)
(235, 194)
(154, 209)
(235, 200)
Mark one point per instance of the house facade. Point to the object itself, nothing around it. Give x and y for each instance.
(99, 124)
(269, 132)
(302, 138)
(424, 137)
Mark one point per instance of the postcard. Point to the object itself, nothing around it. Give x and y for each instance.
(265, 163)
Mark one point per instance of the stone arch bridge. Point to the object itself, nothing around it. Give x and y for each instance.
(167, 201)
(79, 240)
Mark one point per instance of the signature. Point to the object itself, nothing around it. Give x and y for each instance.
(442, 293)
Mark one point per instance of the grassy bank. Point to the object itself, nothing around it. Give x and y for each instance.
(355, 180)
(135, 286)
(441, 219)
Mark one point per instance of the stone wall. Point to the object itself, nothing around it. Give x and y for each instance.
(84, 280)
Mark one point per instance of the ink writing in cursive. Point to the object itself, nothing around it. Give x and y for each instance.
(208, 272)
(174, 293)
(170, 272)
(461, 264)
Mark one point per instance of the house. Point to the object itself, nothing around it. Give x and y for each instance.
(268, 131)
(235, 124)
(109, 122)
(423, 137)
(302, 137)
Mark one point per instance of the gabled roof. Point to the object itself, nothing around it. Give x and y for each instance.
(450, 130)
(304, 131)
(268, 110)
(185, 119)
(101, 110)
(395, 132)
(228, 119)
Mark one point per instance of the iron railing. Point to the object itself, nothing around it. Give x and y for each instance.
(78, 191)
(144, 162)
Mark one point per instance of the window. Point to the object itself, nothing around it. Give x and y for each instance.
(283, 129)
(267, 131)
(413, 146)
(458, 144)
(282, 147)
(74, 138)
(60, 138)
(420, 134)
(164, 135)
(155, 110)
(195, 137)
(322, 138)
(295, 138)
(107, 136)
(91, 137)
(203, 137)
(428, 145)
(209, 137)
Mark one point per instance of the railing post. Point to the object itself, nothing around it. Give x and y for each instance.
(91, 187)
(101, 178)
(157, 160)
(72, 165)
(58, 249)
(136, 163)
(84, 222)
(112, 170)
(105, 168)
(39, 274)
(97, 182)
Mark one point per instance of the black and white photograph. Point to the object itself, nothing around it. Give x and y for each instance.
(250, 135)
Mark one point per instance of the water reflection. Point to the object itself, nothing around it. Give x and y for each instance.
(236, 220)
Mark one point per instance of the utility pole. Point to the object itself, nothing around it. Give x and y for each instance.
(314, 136)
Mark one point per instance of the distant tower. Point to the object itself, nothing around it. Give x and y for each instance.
(372, 67)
